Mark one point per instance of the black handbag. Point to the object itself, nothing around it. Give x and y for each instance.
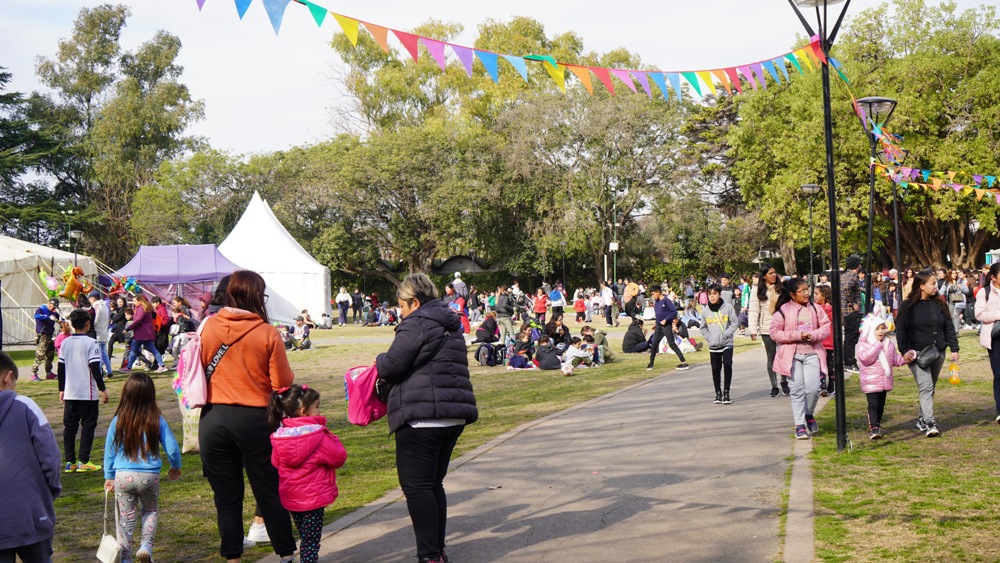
(927, 356)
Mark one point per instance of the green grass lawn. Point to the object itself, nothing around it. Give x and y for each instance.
(187, 529)
(908, 497)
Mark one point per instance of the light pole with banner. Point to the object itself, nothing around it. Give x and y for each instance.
(877, 112)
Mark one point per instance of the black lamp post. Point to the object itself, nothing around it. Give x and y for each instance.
(895, 215)
(810, 191)
(75, 236)
(827, 37)
(564, 282)
(877, 113)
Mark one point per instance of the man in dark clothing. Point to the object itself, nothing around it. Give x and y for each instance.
(357, 302)
(45, 349)
(665, 315)
(505, 311)
(850, 307)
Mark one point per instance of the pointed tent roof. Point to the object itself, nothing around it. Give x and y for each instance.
(188, 263)
(260, 242)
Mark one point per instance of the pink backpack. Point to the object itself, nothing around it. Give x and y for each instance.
(363, 406)
(191, 382)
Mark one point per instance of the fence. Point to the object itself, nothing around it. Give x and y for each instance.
(18, 325)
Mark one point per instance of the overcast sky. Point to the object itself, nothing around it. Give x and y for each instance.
(265, 93)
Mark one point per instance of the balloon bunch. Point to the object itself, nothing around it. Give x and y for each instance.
(122, 286)
(75, 284)
(52, 285)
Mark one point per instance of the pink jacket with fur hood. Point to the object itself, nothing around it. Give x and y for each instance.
(784, 330)
(306, 455)
(876, 359)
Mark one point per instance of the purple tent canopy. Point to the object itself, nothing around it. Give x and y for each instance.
(190, 263)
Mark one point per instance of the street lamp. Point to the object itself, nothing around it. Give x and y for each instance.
(75, 236)
(827, 37)
(810, 191)
(680, 240)
(877, 112)
(563, 245)
(895, 214)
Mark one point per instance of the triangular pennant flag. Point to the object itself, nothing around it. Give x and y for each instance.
(643, 81)
(905, 171)
(795, 61)
(748, 74)
(464, 54)
(275, 12)
(817, 50)
(519, 64)
(926, 174)
(759, 71)
(350, 27)
(735, 79)
(998, 199)
(721, 75)
(201, 4)
(803, 55)
(840, 70)
(583, 74)
(914, 174)
(936, 182)
(966, 191)
(318, 12)
(624, 77)
(409, 41)
(706, 77)
(242, 6)
(558, 73)
(489, 61)
(675, 82)
(436, 49)
(661, 83)
(692, 79)
(769, 67)
(904, 184)
(779, 63)
(977, 178)
(980, 194)
(990, 180)
(951, 175)
(605, 78)
(380, 34)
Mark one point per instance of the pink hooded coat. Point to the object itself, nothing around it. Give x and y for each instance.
(876, 370)
(987, 312)
(787, 338)
(306, 455)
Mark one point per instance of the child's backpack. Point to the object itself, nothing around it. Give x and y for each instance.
(535, 334)
(363, 405)
(191, 382)
(499, 355)
(486, 355)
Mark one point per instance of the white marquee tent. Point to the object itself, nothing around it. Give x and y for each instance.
(295, 280)
(21, 289)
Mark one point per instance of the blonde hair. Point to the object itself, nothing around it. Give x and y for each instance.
(419, 287)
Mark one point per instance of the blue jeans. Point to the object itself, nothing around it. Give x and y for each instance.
(105, 360)
(148, 345)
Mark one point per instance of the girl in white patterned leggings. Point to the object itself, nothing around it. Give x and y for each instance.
(132, 464)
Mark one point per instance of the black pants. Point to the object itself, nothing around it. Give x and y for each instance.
(640, 347)
(994, 355)
(630, 308)
(607, 314)
(557, 312)
(75, 414)
(660, 333)
(234, 438)
(422, 457)
(722, 362)
(310, 525)
(852, 325)
(40, 552)
(357, 313)
(876, 406)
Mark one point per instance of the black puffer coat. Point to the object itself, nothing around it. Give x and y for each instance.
(428, 365)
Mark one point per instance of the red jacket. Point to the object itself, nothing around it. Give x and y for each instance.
(306, 455)
(828, 341)
(541, 303)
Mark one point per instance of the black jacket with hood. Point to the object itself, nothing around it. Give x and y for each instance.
(428, 365)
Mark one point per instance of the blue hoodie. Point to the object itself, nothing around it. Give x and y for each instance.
(116, 460)
(665, 311)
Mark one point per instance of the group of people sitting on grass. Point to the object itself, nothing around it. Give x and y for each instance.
(551, 346)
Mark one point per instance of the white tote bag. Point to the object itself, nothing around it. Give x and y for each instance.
(109, 550)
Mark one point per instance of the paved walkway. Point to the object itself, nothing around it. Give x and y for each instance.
(654, 472)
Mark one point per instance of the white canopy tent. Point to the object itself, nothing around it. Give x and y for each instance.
(295, 280)
(21, 288)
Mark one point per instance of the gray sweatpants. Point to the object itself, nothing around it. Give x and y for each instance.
(506, 327)
(132, 488)
(803, 386)
(926, 382)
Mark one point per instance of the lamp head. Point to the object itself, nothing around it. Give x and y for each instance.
(76, 235)
(817, 3)
(811, 189)
(878, 109)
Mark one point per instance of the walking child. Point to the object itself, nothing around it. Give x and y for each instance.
(132, 464)
(718, 325)
(877, 355)
(306, 455)
(823, 296)
(81, 385)
(665, 315)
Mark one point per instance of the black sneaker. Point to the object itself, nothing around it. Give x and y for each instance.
(775, 392)
(683, 367)
(921, 425)
(784, 388)
(718, 397)
(876, 433)
(725, 398)
(812, 425)
(649, 367)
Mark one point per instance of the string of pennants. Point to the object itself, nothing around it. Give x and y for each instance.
(701, 82)
(981, 185)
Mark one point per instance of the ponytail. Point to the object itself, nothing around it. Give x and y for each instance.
(289, 402)
(785, 290)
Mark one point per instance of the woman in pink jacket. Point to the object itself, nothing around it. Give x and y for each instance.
(877, 355)
(988, 313)
(799, 327)
(306, 455)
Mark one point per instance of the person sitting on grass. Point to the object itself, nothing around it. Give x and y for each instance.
(300, 335)
(80, 385)
(372, 318)
(547, 357)
(600, 343)
(635, 340)
(576, 355)
(487, 332)
(523, 351)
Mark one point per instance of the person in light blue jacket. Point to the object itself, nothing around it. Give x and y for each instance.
(132, 464)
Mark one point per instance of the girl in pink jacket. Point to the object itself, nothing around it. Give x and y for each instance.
(799, 328)
(306, 455)
(877, 355)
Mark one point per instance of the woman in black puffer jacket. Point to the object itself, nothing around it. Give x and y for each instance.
(430, 403)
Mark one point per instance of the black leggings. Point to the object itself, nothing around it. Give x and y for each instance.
(607, 314)
(660, 333)
(310, 525)
(422, 457)
(234, 438)
(722, 362)
(75, 414)
(876, 406)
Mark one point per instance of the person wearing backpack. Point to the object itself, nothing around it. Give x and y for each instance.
(557, 300)
(234, 433)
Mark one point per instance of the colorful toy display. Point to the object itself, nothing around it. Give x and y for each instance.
(75, 284)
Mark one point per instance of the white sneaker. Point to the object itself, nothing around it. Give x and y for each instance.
(998, 419)
(258, 533)
(248, 543)
(145, 554)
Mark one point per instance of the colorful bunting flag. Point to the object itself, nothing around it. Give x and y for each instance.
(519, 65)
(436, 49)
(380, 34)
(735, 79)
(201, 4)
(350, 27)
(748, 74)
(465, 55)
(275, 12)
(625, 78)
(643, 81)
(558, 73)
(242, 6)
(769, 67)
(489, 61)
(758, 69)
(604, 76)
(409, 41)
(583, 74)
(318, 12)
(661, 83)
(692, 79)
(675, 82)
(721, 75)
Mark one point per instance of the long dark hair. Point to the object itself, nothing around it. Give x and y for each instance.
(289, 403)
(919, 279)
(137, 432)
(785, 290)
(246, 291)
(762, 282)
